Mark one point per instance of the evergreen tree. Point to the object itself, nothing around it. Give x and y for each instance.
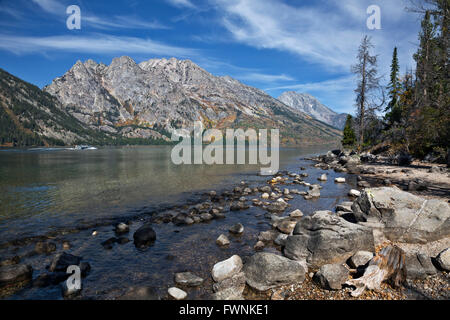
(393, 111)
(349, 139)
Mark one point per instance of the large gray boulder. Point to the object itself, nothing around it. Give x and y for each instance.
(419, 266)
(443, 260)
(264, 271)
(323, 239)
(403, 216)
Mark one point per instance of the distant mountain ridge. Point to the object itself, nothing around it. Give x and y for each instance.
(29, 116)
(310, 105)
(152, 98)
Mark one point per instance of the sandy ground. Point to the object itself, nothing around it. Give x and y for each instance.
(438, 183)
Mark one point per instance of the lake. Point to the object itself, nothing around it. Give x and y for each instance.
(66, 194)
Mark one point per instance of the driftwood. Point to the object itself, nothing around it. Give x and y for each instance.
(388, 265)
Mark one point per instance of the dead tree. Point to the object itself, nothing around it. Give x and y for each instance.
(369, 88)
(388, 265)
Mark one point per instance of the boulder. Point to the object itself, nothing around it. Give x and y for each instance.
(277, 207)
(332, 276)
(339, 180)
(323, 178)
(227, 268)
(264, 271)
(354, 193)
(364, 184)
(62, 261)
(237, 282)
(419, 266)
(223, 240)
(296, 214)
(360, 259)
(324, 238)
(281, 239)
(144, 236)
(344, 206)
(237, 229)
(15, 273)
(286, 226)
(268, 236)
(403, 216)
(314, 192)
(259, 246)
(443, 260)
(122, 228)
(188, 279)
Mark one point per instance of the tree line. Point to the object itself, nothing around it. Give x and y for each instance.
(415, 106)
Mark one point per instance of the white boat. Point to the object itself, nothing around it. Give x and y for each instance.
(84, 147)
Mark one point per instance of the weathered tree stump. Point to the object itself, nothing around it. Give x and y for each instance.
(388, 265)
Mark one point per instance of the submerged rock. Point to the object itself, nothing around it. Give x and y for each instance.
(144, 236)
(45, 247)
(237, 229)
(264, 271)
(15, 273)
(223, 240)
(122, 228)
(62, 261)
(188, 279)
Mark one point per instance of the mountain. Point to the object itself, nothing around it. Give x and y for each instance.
(153, 98)
(310, 105)
(29, 116)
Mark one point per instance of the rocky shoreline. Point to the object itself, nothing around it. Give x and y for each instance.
(318, 256)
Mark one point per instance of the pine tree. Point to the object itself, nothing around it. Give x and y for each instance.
(393, 110)
(349, 139)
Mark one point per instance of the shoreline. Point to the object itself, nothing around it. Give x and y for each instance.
(220, 206)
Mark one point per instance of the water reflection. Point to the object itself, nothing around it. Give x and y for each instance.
(44, 190)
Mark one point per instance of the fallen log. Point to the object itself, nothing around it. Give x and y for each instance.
(387, 265)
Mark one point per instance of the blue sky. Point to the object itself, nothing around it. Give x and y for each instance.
(274, 45)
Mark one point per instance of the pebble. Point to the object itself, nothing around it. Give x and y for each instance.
(177, 294)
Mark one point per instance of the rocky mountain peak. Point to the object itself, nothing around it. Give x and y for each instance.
(308, 104)
(159, 95)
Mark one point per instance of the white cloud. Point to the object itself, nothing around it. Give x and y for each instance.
(96, 44)
(328, 35)
(264, 78)
(115, 22)
(181, 3)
